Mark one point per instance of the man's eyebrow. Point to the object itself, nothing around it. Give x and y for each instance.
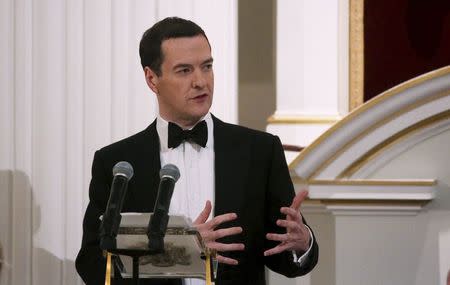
(187, 65)
(182, 65)
(209, 60)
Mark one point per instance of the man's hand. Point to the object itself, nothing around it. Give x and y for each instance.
(297, 234)
(210, 235)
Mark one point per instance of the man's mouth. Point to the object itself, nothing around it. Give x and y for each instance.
(200, 97)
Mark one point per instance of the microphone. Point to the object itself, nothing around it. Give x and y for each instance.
(157, 225)
(122, 172)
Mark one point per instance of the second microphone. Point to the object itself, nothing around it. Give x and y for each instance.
(157, 227)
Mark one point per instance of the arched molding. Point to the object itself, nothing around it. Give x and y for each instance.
(337, 166)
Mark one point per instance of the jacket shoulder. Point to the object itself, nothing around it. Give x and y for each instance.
(242, 132)
(142, 138)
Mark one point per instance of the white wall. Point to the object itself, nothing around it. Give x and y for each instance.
(70, 83)
(429, 158)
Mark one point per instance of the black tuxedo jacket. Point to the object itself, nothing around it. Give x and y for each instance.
(251, 179)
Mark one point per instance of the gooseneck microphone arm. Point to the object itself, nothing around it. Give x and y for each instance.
(122, 172)
(157, 226)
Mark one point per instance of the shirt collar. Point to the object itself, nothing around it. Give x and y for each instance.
(162, 129)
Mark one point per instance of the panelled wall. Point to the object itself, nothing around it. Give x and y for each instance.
(70, 83)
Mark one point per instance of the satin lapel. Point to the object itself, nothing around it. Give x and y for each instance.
(155, 163)
(231, 169)
(147, 169)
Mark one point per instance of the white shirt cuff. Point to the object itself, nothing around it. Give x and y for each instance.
(301, 260)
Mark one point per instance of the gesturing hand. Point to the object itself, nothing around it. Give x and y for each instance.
(210, 235)
(297, 235)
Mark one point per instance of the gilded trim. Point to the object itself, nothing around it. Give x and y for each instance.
(375, 182)
(389, 142)
(356, 76)
(368, 105)
(358, 202)
(376, 126)
(303, 119)
(364, 204)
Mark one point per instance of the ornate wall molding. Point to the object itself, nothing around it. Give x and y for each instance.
(337, 166)
(430, 91)
(356, 54)
(274, 119)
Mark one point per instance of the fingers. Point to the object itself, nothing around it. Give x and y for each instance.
(298, 199)
(226, 246)
(216, 221)
(204, 215)
(289, 241)
(213, 235)
(277, 237)
(287, 237)
(294, 236)
(226, 260)
(210, 235)
(291, 213)
(289, 225)
(275, 250)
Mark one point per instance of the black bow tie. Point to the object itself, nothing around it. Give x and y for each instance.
(199, 135)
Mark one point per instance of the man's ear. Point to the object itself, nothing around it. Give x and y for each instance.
(152, 79)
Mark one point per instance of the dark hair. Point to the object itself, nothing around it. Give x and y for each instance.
(171, 27)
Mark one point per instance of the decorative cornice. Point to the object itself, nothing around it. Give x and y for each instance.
(277, 119)
(368, 197)
(374, 210)
(375, 182)
(363, 207)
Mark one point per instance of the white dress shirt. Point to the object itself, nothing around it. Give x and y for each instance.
(196, 165)
(197, 178)
(196, 183)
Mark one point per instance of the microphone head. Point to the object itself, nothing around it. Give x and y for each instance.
(123, 168)
(171, 171)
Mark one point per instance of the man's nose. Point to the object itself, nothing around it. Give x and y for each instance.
(198, 80)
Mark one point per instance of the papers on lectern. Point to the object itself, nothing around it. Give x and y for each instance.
(183, 249)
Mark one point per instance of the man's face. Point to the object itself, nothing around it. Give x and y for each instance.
(186, 84)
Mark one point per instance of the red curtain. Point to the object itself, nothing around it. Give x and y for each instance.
(403, 39)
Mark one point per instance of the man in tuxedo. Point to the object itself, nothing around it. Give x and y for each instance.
(234, 184)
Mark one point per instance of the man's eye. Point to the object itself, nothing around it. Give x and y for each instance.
(184, 70)
(208, 66)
